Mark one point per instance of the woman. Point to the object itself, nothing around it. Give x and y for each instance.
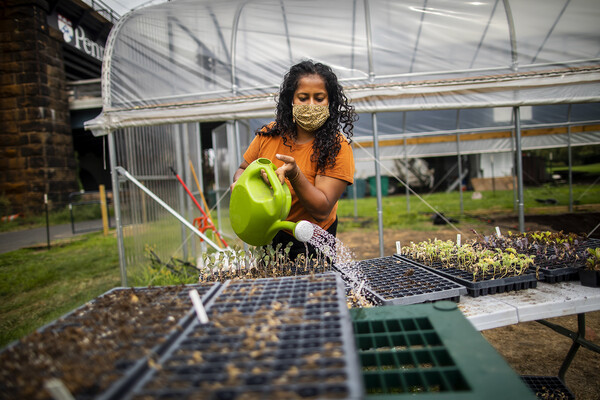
(305, 143)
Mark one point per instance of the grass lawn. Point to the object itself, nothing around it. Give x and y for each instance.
(38, 286)
(396, 214)
(590, 169)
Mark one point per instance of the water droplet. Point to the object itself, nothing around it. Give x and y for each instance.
(342, 258)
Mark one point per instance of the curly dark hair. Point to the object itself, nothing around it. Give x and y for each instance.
(326, 145)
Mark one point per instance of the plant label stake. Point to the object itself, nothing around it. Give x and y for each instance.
(398, 247)
(458, 240)
(58, 390)
(498, 231)
(197, 302)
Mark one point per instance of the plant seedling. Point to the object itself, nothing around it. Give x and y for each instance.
(593, 261)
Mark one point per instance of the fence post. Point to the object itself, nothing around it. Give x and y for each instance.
(103, 209)
(47, 220)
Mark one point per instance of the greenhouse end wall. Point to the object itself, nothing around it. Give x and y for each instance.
(192, 61)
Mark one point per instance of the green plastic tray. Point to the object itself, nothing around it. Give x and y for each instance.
(430, 351)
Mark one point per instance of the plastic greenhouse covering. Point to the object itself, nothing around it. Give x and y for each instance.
(192, 60)
(427, 77)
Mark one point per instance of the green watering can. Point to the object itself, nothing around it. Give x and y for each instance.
(258, 210)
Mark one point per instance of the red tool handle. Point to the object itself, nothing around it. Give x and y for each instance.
(188, 191)
(206, 217)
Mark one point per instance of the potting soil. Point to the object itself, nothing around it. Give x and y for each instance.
(267, 339)
(94, 346)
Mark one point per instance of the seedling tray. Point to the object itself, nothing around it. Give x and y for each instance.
(96, 345)
(487, 286)
(368, 294)
(554, 272)
(548, 387)
(592, 243)
(394, 281)
(550, 272)
(267, 338)
(430, 351)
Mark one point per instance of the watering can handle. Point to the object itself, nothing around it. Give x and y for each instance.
(274, 180)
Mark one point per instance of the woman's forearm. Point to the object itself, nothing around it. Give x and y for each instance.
(318, 199)
(237, 174)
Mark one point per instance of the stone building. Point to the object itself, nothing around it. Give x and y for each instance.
(47, 49)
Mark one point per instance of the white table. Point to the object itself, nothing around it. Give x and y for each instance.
(545, 301)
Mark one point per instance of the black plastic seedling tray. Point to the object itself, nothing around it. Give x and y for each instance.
(592, 243)
(487, 286)
(550, 272)
(104, 340)
(548, 387)
(553, 272)
(118, 389)
(430, 351)
(368, 294)
(273, 338)
(394, 281)
(159, 294)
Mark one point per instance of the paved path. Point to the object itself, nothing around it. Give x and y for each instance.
(10, 241)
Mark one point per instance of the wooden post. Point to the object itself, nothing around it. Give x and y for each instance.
(103, 209)
(47, 220)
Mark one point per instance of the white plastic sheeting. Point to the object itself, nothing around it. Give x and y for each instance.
(441, 69)
(204, 60)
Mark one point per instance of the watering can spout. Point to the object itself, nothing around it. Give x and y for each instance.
(302, 230)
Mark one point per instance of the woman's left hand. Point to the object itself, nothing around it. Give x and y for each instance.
(288, 170)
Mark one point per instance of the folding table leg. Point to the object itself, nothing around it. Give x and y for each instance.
(578, 341)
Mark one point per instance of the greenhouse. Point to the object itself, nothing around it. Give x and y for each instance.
(427, 78)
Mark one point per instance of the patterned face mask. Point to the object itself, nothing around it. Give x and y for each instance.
(310, 117)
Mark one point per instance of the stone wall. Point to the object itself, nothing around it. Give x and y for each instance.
(36, 145)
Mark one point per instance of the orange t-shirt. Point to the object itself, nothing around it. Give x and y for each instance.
(268, 146)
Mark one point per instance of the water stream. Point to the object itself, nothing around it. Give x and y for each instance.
(342, 257)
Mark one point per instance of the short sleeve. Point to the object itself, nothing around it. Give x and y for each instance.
(253, 151)
(344, 163)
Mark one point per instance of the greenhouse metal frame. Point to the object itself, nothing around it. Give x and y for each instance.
(173, 66)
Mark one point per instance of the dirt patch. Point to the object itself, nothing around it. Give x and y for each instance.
(533, 349)
(530, 348)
